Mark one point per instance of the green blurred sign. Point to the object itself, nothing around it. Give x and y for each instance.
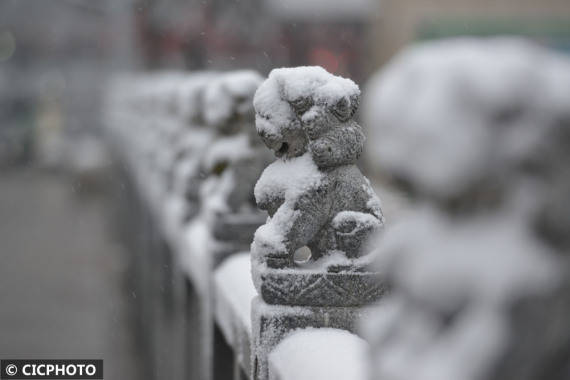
(554, 33)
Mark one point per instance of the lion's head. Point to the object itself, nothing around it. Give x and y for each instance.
(308, 109)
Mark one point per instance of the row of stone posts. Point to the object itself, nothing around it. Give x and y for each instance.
(201, 181)
(260, 249)
(190, 160)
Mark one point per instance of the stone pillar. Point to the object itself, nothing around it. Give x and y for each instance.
(310, 259)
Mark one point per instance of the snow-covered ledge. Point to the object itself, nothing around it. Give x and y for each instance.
(310, 260)
(319, 354)
(233, 293)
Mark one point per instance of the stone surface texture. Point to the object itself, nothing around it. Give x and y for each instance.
(309, 112)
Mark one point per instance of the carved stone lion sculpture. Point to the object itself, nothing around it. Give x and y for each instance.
(314, 193)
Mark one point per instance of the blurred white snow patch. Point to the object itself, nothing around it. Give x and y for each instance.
(193, 145)
(190, 93)
(214, 191)
(214, 194)
(233, 280)
(227, 150)
(489, 259)
(194, 250)
(454, 280)
(229, 93)
(410, 344)
(445, 112)
(319, 354)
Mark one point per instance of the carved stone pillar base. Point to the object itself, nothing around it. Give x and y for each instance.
(271, 323)
(320, 288)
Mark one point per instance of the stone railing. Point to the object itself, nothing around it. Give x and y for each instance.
(190, 156)
(250, 266)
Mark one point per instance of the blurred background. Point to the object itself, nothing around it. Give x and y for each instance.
(62, 283)
(56, 55)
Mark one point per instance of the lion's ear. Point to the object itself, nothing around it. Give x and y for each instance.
(342, 109)
(301, 105)
(354, 103)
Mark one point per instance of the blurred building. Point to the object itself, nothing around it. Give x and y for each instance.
(54, 57)
(258, 34)
(54, 54)
(404, 21)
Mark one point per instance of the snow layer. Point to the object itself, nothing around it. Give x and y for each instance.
(195, 257)
(282, 180)
(221, 95)
(227, 149)
(233, 279)
(319, 354)
(361, 219)
(286, 85)
(443, 114)
(417, 345)
(287, 179)
(190, 95)
(492, 258)
(192, 145)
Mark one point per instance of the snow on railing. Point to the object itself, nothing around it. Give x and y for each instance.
(474, 132)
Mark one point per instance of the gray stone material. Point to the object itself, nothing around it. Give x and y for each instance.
(318, 202)
(339, 210)
(344, 289)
